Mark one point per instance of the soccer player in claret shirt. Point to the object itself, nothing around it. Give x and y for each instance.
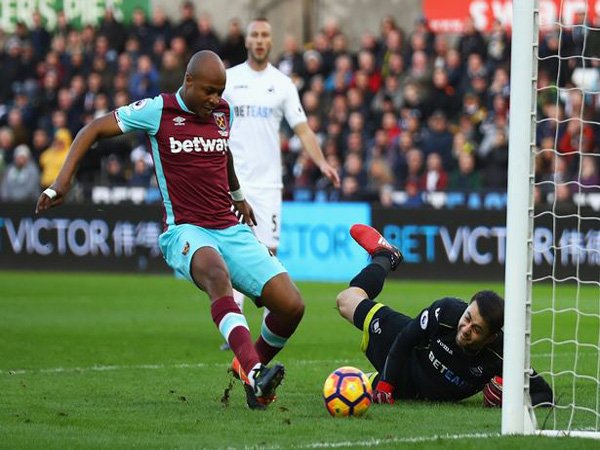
(261, 97)
(449, 352)
(203, 240)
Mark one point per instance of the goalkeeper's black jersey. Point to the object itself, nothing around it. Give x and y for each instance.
(426, 363)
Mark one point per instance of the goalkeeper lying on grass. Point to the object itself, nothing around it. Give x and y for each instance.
(450, 351)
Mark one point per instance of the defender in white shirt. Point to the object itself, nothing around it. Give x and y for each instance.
(260, 97)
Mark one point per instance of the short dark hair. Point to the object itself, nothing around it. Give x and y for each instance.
(491, 308)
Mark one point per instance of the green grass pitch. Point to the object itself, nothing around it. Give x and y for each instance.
(126, 361)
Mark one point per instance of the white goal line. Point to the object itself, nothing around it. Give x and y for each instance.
(116, 367)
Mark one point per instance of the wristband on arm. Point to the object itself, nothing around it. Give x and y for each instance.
(384, 386)
(237, 195)
(50, 193)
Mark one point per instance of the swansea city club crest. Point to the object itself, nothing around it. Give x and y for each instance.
(220, 120)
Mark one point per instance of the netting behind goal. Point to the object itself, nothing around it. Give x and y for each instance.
(562, 311)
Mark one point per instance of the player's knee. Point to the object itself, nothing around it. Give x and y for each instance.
(294, 308)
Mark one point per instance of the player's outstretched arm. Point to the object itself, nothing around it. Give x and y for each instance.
(102, 127)
(397, 358)
(311, 145)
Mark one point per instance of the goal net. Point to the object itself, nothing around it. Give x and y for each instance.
(553, 218)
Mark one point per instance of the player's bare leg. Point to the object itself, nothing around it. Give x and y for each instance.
(348, 300)
(368, 283)
(285, 310)
(210, 273)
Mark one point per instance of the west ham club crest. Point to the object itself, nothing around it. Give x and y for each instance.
(220, 120)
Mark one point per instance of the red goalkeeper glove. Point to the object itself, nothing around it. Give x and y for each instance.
(492, 393)
(383, 393)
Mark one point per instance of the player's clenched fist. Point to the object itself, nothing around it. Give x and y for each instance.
(52, 196)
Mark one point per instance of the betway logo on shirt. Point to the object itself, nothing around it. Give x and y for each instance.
(198, 144)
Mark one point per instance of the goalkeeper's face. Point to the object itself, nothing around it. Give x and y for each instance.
(473, 332)
(258, 41)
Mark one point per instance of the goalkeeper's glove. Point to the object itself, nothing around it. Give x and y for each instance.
(492, 393)
(383, 393)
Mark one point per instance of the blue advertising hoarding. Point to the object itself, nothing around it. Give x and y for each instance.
(315, 243)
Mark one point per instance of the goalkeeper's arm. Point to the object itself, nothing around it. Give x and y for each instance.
(398, 356)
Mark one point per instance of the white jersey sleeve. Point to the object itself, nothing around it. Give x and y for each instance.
(293, 110)
(260, 101)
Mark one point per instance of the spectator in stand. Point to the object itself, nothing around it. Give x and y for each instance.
(39, 36)
(144, 83)
(11, 68)
(140, 29)
(180, 48)
(414, 197)
(366, 64)
(40, 142)
(161, 28)
(498, 46)
(414, 97)
(495, 163)
(436, 138)
(171, 72)
(354, 167)
(562, 195)
(63, 27)
(389, 124)
(578, 136)
(17, 125)
(141, 175)
(380, 177)
(340, 78)
(369, 42)
(110, 27)
(454, 69)
(22, 178)
(414, 165)
(323, 47)
(441, 47)
(290, 62)
(391, 92)
(313, 71)
(187, 27)
(351, 189)
(207, 38)
(443, 96)
(557, 173)
(94, 87)
(233, 51)
(112, 172)
(7, 144)
(435, 177)
(52, 159)
(420, 69)
(471, 41)
(465, 177)
(590, 177)
(393, 46)
(473, 109)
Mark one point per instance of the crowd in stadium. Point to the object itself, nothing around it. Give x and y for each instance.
(411, 110)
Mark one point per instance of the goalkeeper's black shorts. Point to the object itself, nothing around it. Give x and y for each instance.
(380, 325)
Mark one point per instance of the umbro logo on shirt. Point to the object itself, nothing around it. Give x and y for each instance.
(179, 121)
(271, 89)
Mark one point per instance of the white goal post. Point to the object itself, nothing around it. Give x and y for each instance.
(570, 359)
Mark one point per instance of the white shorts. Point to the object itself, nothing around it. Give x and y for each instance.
(266, 203)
